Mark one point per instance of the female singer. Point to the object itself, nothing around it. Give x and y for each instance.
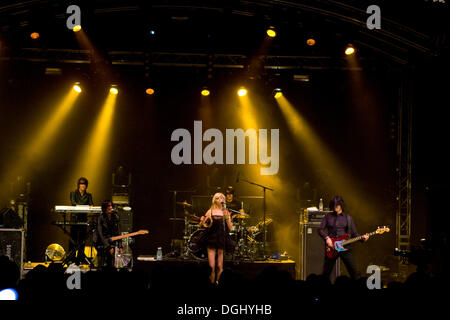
(217, 239)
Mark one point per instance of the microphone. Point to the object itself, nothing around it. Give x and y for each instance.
(224, 205)
(237, 178)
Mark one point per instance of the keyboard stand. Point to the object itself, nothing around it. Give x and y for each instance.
(79, 258)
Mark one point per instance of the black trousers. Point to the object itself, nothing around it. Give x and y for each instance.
(349, 262)
(78, 235)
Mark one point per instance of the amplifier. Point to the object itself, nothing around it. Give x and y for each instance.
(315, 215)
(122, 199)
(126, 219)
(12, 245)
(313, 252)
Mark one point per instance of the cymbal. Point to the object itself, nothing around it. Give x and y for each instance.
(268, 221)
(241, 216)
(55, 252)
(184, 204)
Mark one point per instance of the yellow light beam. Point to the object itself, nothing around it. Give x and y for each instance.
(94, 155)
(248, 114)
(38, 146)
(339, 181)
(97, 58)
(250, 118)
(53, 124)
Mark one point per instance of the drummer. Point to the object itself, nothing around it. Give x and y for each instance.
(232, 203)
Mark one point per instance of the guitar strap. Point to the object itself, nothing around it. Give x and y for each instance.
(335, 223)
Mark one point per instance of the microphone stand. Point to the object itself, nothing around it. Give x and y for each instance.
(264, 211)
(224, 207)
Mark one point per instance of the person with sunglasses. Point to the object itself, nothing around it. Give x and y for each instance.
(79, 233)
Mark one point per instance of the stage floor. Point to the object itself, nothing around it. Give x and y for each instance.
(246, 268)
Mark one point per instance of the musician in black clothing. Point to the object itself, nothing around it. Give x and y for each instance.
(80, 197)
(107, 227)
(232, 203)
(335, 225)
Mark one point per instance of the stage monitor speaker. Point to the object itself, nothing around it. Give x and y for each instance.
(12, 245)
(313, 254)
(126, 219)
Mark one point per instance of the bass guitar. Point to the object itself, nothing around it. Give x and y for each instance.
(339, 243)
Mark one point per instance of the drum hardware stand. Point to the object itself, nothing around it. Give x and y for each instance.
(185, 236)
(264, 212)
(186, 254)
(242, 250)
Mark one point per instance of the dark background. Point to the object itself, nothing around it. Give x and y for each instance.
(354, 112)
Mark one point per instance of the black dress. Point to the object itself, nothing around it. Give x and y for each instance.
(218, 235)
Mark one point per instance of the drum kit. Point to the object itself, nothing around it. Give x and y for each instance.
(248, 239)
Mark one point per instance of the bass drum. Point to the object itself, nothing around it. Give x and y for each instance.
(196, 244)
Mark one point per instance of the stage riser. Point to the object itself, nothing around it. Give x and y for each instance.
(245, 270)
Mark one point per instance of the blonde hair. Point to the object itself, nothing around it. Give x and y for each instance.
(213, 204)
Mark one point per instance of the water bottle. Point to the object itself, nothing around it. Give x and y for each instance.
(159, 254)
(320, 204)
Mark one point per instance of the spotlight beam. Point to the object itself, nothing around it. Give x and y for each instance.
(39, 145)
(94, 155)
(338, 179)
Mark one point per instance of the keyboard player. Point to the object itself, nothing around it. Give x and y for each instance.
(79, 233)
(81, 196)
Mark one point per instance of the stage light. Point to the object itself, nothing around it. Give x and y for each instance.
(271, 32)
(149, 91)
(76, 28)
(152, 32)
(205, 92)
(350, 50)
(8, 294)
(34, 35)
(53, 71)
(277, 93)
(242, 92)
(114, 90)
(310, 42)
(77, 87)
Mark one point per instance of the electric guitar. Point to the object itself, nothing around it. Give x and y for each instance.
(123, 260)
(132, 234)
(339, 243)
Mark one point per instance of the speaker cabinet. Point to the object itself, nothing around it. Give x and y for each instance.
(312, 252)
(12, 245)
(126, 220)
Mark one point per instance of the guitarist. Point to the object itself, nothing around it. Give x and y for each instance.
(335, 225)
(107, 227)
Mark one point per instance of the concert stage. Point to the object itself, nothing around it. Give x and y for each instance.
(247, 270)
